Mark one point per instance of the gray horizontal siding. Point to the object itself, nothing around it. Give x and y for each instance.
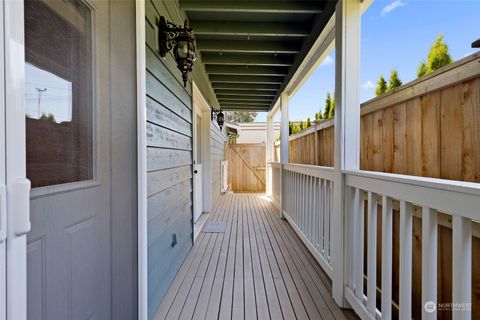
(217, 154)
(169, 164)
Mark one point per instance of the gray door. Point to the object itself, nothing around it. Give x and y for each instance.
(68, 159)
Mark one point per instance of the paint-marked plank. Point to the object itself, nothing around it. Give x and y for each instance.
(227, 292)
(274, 298)
(207, 285)
(294, 261)
(249, 288)
(321, 280)
(258, 279)
(302, 301)
(283, 298)
(203, 274)
(213, 307)
(238, 304)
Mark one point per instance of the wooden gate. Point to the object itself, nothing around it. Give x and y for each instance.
(246, 167)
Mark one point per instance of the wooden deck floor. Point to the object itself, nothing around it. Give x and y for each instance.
(257, 269)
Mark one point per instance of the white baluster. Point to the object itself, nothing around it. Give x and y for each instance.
(322, 216)
(406, 222)
(429, 260)
(387, 222)
(372, 254)
(462, 267)
(359, 213)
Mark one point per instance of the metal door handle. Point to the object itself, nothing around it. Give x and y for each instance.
(21, 206)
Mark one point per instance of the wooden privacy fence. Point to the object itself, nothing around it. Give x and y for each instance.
(429, 127)
(246, 167)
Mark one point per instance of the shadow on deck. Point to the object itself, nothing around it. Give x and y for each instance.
(257, 269)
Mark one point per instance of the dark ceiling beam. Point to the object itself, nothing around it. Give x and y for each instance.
(246, 86)
(244, 101)
(247, 59)
(281, 46)
(252, 6)
(247, 93)
(319, 24)
(245, 79)
(246, 28)
(243, 108)
(242, 97)
(246, 70)
(246, 104)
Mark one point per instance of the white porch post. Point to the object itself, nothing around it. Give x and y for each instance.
(347, 130)
(284, 134)
(269, 151)
(284, 138)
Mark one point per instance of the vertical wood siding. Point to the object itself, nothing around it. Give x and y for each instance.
(436, 134)
(169, 163)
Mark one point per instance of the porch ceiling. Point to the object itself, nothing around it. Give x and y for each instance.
(251, 49)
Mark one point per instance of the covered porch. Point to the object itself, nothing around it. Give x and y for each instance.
(347, 239)
(258, 268)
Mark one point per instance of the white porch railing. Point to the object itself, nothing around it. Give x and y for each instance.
(459, 199)
(276, 187)
(307, 205)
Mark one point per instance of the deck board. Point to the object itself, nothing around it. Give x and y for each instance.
(257, 269)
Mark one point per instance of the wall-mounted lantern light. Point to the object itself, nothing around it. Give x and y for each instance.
(180, 39)
(218, 114)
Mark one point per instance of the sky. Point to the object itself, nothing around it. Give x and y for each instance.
(395, 34)
(47, 94)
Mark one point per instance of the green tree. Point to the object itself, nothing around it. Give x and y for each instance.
(331, 114)
(422, 69)
(309, 124)
(328, 106)
(318, 116)
(394, 81)
(381, 86)
(241, 116)
(294, 128)
(48, 117)
(437, 57)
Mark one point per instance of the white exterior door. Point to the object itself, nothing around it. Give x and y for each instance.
(198, 166)
(14, 187)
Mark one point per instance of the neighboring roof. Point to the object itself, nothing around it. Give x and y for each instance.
(251, 49)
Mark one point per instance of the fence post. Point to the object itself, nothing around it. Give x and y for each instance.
(284, 138)
(347, 133)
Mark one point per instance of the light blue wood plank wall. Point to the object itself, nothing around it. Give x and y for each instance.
(169, 155)
(169, 163)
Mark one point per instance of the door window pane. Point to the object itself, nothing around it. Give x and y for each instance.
(58, 88)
